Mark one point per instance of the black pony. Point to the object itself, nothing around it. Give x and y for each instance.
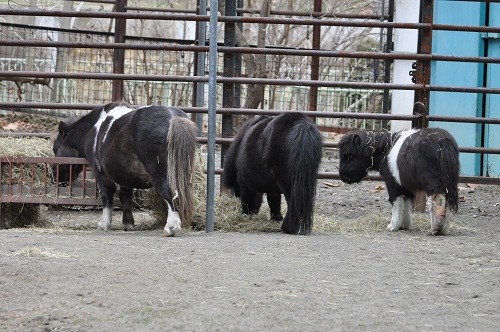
(136, 147)
(410, 161)
(275, 156)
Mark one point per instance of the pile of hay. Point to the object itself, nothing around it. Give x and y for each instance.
(16, 214)
(227, 209)
(228, 216)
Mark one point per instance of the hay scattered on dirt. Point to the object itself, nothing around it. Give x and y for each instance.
(30, 252)
(228, 216)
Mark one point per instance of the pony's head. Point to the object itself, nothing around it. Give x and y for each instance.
(62, 148)
(356, 156)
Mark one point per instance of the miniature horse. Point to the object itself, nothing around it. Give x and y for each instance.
(136, 147)
(410, 161)
(275, 156)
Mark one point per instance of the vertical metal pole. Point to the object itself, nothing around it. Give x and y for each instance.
(423, 76)
(228, 89)
(316, 45)
(238, 62)
(119, 54)
(2, 215)
(387, 63)
(423, 67)
(212, 105)
(200, 65)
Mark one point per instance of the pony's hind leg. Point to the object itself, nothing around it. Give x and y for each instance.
(173, 224)
(274, 202)
(439, 214)
(126, 196)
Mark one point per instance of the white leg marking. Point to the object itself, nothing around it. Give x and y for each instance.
(447, 221)
(173, 222)
(440, 213)
(397, 214)
(431, 207)
(407, 214)
(393, 154)
(105, 222)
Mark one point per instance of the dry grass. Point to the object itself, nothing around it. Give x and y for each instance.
(28, 147)
(16, 214)
(33, 251)
(228, 217)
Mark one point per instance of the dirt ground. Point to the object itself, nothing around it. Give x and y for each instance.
(62, 278)
(71, 277)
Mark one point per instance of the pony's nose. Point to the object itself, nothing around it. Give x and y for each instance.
(346, 178)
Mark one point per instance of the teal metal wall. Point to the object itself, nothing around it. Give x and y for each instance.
(468, 75)
(491, 165)
(459, 74)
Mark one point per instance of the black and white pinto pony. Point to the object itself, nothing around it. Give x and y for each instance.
(136, 147)
(409, 161)
(275, 156)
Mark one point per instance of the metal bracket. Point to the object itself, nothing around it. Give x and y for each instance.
(417, 74)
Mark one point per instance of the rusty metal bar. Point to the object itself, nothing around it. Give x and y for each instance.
(316, 44)
(275, 50)
(246, 111)
(243, 80)
(462, 179)
(119, 54)
(242, 19)
(422, 68)
(228, 88)
(256, 11)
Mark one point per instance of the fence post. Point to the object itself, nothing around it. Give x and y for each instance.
(422, 75)
(200, 64)
(212, 108)
(119, 54)
(228, 89)
(316, 45)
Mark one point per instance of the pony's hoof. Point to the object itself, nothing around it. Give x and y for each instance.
(391, 228)
(102, 228)
(168, 232)
(128, 227)
(277, 217)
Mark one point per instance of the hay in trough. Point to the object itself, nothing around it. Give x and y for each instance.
(18, 214)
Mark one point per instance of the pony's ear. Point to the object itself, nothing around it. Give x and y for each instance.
(356, 140)
(63, 129)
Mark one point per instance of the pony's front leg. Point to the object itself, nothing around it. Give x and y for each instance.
(250, 201)
(398, 207)
(173, 224)
(406, 222)
(107, 190)
(274, 202)
(126, 196)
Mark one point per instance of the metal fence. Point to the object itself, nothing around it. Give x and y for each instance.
(349, 88)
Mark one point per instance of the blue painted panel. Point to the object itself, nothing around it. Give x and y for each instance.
(459, 74)
(492, 132)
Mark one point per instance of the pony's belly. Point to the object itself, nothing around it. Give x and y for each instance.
(263, 182)
(132, 176)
